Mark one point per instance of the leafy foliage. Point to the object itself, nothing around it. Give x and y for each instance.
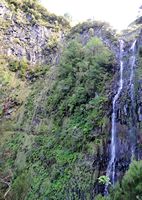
(130, 188)
(131, 185)
(20, 187)
(104, 180)
(25, 70)
(68, 116)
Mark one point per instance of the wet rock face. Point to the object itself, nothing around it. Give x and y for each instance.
(23, 38)
(124, 122)
(129, 112)
(128, 116)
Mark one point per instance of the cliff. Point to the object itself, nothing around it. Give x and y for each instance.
(29, 31)
(58, 87)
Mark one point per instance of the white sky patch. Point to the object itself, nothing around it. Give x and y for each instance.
(119, 13)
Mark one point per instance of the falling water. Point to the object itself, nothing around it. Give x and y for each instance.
(132, 96)
(111, 166)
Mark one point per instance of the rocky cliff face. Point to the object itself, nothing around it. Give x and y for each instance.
(129, 117)
(129, 105)
(25, 34)
(56, 138)
(29, 39)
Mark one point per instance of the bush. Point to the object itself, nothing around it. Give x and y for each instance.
(14, 65)
(70, 115)
(20, 187)
(104, 180)
(130, 187)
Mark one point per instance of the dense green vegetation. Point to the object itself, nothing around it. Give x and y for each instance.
(55, 120)
(25, 70)
(51, 158)
(130, 188)
(83, 73)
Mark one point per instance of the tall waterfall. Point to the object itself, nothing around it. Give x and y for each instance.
(111, 169)
(132, 130)
(111, 166)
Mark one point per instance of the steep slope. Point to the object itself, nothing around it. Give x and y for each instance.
(29, 31)
(29, 40)
(130, 186)
(57, 91)
(60, 131)
(67, 123)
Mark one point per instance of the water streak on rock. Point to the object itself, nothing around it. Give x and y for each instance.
(111, 166)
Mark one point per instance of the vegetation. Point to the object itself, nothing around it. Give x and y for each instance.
(89, 28)
(38, 14)
(130, 188)
(55, 120)
(13, 90)
(25, 70)
(104, 180)
(63, 122)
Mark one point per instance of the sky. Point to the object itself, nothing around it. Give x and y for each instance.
(119, 13)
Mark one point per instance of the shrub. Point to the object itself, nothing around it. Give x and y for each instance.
(62, 153)
(130, 187)
(14, 65)
(20, 187)
(104, 180)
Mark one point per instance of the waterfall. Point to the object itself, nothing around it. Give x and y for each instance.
(132, 130)
(111, 166)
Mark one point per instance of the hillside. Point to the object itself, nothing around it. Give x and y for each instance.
(63, 90)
